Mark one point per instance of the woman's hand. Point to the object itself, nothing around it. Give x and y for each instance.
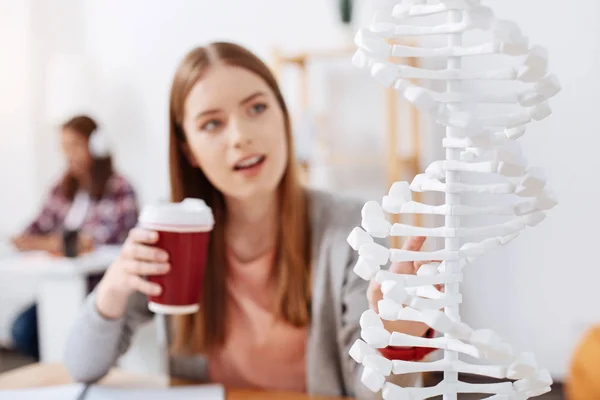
(49, 243)
(374, 293)
(125, 276)
(85, 243)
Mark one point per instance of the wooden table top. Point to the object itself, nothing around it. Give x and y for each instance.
(42, 375)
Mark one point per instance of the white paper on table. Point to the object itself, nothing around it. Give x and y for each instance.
(199, 392)
(62, 392)
(73, 391)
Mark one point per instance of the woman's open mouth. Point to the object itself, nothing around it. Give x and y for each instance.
(250, 164)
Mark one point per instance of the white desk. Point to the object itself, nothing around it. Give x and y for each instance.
(59, 288)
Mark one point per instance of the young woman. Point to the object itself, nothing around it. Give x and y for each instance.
(281, 304)
(91, 200)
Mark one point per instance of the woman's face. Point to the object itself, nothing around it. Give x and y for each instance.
(76, 151)
(235, 132)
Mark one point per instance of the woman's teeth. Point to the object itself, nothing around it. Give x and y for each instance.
(249, 162)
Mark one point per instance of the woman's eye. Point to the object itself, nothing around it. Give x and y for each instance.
(258, 108)
(211, 125)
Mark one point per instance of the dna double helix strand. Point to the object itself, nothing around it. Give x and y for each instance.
(485, 111)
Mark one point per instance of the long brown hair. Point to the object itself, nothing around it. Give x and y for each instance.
(101, 169)
(206, 329)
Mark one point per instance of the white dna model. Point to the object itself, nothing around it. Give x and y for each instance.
(475, 142)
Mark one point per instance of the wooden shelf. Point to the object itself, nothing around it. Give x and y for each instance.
(396, 165)
(336, 160)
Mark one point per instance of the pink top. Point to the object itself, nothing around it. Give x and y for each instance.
(260, 351)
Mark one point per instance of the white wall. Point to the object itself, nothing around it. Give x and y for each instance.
(138, 54)
(16, 135)
(16, 141)
(531, 292)
(31, 33)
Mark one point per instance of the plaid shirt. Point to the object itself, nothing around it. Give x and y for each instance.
(108, 220)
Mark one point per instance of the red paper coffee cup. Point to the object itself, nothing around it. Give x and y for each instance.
(184, 233)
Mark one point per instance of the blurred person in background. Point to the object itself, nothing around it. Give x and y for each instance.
(91, 205)
(280, 306)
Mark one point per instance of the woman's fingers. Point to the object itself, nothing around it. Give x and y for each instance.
(145, 268)
(144, 286)
(142, 252)
(419, 264)
(374, 295)
(404, 268)
(139, 258)
(137, 246)
(144, 236)
(414, 243)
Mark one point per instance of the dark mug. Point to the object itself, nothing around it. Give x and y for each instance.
(70, 243)
(184, 233)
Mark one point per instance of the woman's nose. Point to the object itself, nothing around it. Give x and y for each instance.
(241, 135)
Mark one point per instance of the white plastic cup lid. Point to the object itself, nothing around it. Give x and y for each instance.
(189, 213)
